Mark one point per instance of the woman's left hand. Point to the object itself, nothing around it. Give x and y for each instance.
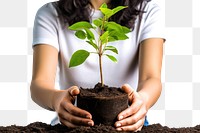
(132, 119)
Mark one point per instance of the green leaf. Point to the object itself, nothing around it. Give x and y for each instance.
(104, 37)
(107, 12)
(104, 5)
(117, 9)
(80, 34)
(125, 29)
(111, 58)
(111, 48)
(118, 35)
(112, 38)
(78, 58)
(113, 26)
(92, 44)
(90, 35)
(97, 22)
(80, 25)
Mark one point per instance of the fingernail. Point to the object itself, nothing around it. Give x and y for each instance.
(90, 123)
(119, 129)
(88, 116)
(118, 125)
(121, 117)
(72, 91)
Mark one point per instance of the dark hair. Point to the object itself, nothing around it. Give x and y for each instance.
(72, 11)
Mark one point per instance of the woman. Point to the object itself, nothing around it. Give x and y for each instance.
(138, 67)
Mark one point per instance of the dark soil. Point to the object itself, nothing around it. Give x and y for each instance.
(101, 91)
(103, 102)
(39, 127)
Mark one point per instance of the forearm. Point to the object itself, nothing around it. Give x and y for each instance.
(43, 93)
(150, 89)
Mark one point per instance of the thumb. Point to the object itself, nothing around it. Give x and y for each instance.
(129, 90)
(74, 91)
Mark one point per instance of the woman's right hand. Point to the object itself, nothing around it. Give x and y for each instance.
(70, 115)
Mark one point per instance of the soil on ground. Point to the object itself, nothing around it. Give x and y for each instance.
(39, 127)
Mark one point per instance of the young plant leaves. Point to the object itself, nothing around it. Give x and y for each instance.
(104, 37)
(118, 35)
(113, 26)
(92, 44)
(112, 58)
(125, 29)
(78, 58)
(80, 34)
(104, 5)
(108, 12)
(117, 9)
(97, 22)
(108, 31)
(80, 25)
(111, 48)
(112, 39)
(90, 35)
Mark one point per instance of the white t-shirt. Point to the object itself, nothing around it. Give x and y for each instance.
(48, 29)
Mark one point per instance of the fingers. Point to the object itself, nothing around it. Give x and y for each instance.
(127, 89)
(74, 121)
(71, 115)
(132, 127)
(73, 91)
(130, 91)
(129, 119)
(132, 119)
(133, 109)
(134, 100)
(132, 122)
(69, 107)
(72, 125)
(66, 123)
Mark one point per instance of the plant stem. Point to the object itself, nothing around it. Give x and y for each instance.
(100, 68)
(101, 52)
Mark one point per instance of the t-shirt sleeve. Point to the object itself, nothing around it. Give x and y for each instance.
(153, 26)
(45, 26)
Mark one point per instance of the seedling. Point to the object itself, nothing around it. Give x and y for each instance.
(108, 31)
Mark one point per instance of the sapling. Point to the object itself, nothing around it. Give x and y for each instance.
(108, 31)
